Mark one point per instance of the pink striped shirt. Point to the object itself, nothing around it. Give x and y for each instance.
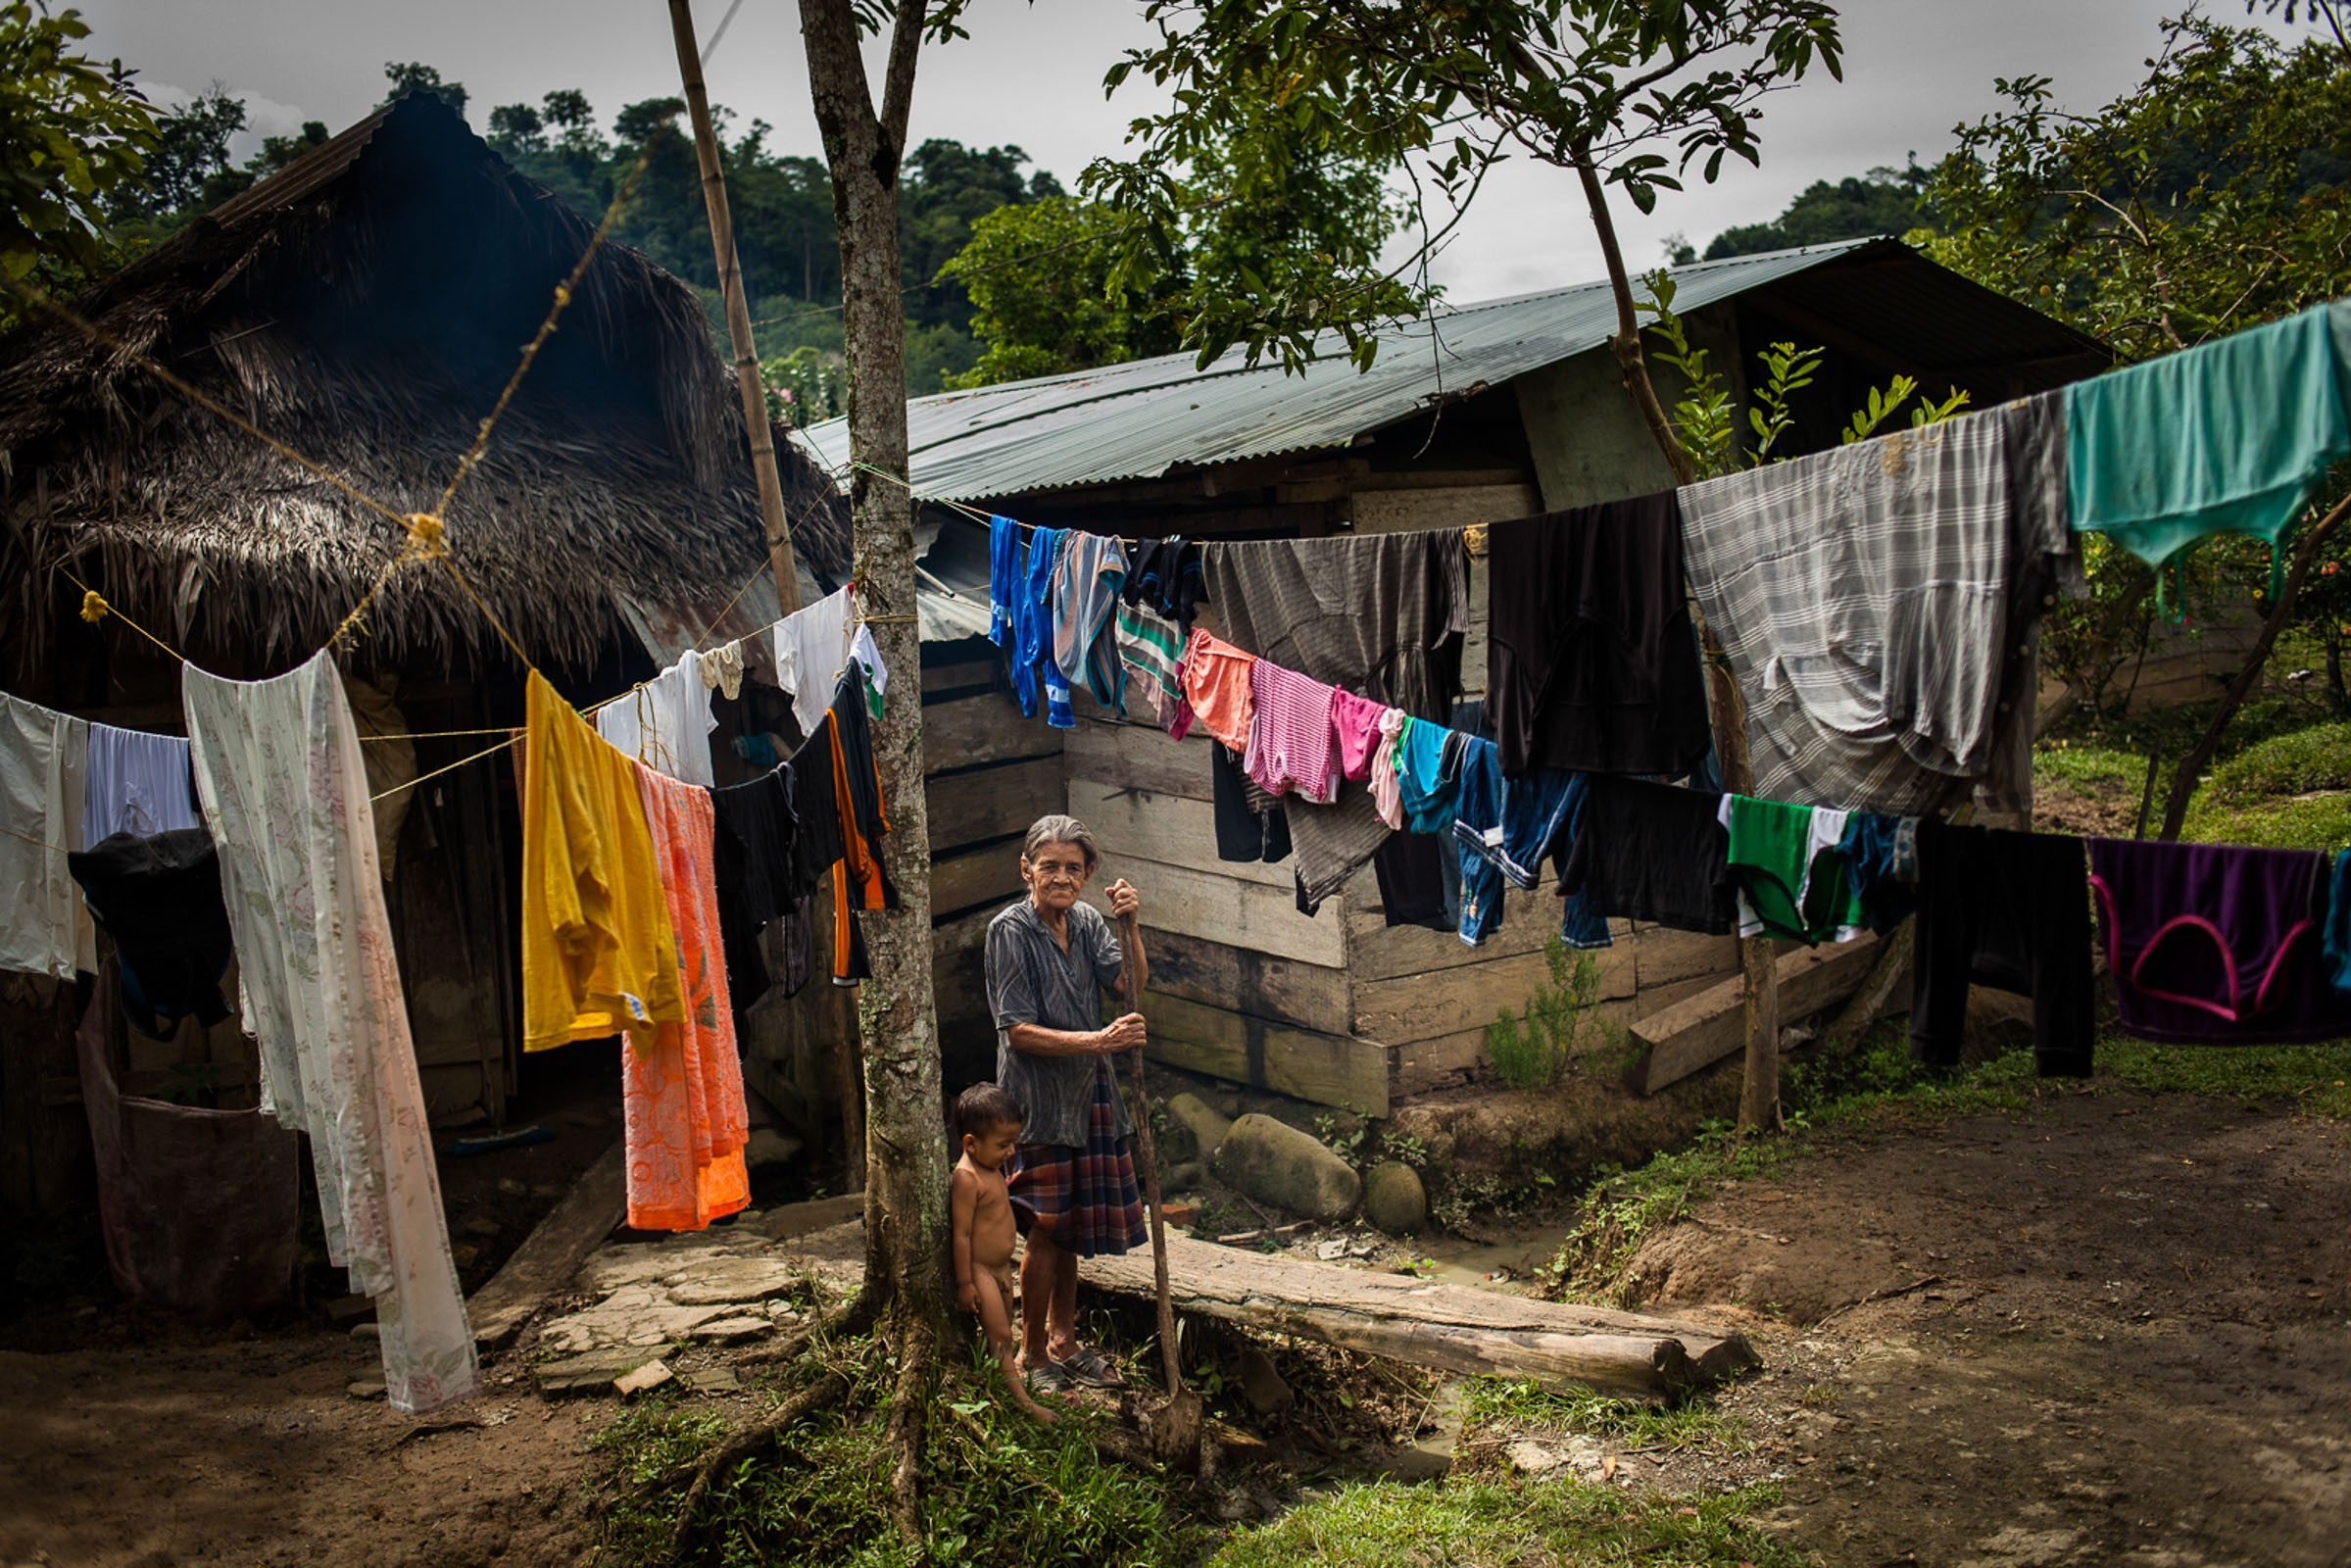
(1291, 742)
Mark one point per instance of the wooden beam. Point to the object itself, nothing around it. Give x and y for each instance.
(596, 1207)
(1139, 757)
(1302, 1063)
(988, 803)
(1266, 985)
(1452, 1328)
(983, 728)
(1170, 829)
(757, 430)
(1698, 1032)
(1216, 907)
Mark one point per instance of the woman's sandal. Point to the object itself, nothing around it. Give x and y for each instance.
(1087, 1365)
(1050, 1378)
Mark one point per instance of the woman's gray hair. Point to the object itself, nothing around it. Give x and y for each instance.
(1060, 830)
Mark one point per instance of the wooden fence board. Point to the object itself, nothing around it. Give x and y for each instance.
(1216, 907)
(982, 728)
(1698, 1032)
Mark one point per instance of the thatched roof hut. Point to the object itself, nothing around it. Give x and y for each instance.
(365, 305)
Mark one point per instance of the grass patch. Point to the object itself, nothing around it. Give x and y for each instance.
(2092, 768)
(1496, 1525)
(997, 1489)
(2313, 1079)
(2323, 823)
(2295, 763)
(1529, 1407)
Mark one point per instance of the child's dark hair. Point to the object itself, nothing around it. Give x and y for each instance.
(983, 1106)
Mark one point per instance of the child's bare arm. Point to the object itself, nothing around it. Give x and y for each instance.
(962, 1202)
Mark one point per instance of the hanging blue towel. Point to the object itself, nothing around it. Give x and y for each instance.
(2228, 437)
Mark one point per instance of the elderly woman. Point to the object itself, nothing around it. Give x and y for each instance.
(1049, 960)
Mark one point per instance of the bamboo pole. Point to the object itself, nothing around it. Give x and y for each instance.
(756, 423)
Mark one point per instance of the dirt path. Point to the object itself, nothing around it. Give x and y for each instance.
(2113, 1330)
(147, 1454)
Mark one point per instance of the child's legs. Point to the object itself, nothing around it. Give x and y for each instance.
(995, 1294)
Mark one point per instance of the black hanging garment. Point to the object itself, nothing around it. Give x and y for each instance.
(2009, 911)
(159, 898)
(1653, 852)
(1251, 825)
(1163, 576)
(755, 835)
(1591, 666)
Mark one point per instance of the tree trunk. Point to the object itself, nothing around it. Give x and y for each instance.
(2112, 622)
(905, 1142)
(2199, 758)
(1758, 974)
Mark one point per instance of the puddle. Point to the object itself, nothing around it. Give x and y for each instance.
(1508, 1264)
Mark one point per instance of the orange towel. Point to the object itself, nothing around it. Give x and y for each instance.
(682, 1083)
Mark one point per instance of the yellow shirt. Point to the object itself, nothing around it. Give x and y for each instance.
(598, 952)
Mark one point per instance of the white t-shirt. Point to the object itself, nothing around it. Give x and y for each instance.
(666, 722)
(811, 648)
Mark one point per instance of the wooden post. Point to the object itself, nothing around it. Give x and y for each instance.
(1758, 969)
(756, 426)
(1759, 974)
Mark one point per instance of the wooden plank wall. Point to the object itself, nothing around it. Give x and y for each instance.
(1244, 987)
(990, 773)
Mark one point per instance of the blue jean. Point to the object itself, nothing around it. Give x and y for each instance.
(1881, 858)
(1505, 828)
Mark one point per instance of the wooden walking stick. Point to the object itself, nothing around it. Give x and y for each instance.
(1175, 1433)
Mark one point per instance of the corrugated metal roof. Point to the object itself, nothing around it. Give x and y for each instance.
(1138, 420)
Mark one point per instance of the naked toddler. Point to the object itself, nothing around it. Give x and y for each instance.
(980, 1210)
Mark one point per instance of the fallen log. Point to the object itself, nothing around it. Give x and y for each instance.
(1699, 1031)
(1452, 1328)
(554, 1250)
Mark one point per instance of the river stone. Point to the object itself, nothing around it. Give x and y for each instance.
(1207, 1124)
(1276, 1164)
(1182, 1178)
(1394, 1198)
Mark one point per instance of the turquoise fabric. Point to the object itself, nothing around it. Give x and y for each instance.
(2228, 437)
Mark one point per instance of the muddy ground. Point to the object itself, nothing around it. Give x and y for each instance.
(2115, 1327)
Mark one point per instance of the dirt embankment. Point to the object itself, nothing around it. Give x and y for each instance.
(2114, 1330)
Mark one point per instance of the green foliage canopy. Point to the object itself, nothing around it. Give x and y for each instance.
(73, 132)
(1631, 96)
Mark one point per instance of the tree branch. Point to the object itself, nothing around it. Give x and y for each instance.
(2199, 757)
(897, 83)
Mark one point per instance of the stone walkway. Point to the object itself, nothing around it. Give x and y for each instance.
(734, 1284)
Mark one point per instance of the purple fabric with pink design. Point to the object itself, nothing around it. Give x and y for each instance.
(2216, 946)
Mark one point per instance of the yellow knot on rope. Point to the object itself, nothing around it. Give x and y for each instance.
(424, 532)
(94, 609)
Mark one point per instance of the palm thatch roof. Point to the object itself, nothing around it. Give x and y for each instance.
(364, 306)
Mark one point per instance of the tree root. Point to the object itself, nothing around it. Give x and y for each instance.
(910, 1408)
(739, 1445)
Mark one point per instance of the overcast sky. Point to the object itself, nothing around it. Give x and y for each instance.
(1030, 76)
